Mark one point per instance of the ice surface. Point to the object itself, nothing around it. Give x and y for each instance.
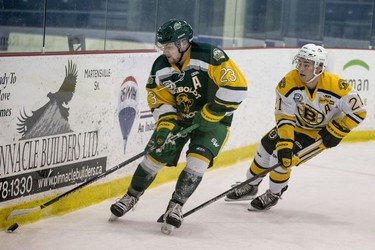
(330, 204)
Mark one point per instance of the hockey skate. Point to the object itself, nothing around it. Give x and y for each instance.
(266, 200)
(244, 193)
(173, 217)
(122, 206)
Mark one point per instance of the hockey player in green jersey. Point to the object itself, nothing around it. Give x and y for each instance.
(311, 104)
(190, 83)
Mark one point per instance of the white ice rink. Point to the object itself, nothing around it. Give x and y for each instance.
(330, 204)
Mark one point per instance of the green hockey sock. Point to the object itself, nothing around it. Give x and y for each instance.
(141, 181)
(185, 186)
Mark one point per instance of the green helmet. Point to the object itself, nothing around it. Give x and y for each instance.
(173, 31)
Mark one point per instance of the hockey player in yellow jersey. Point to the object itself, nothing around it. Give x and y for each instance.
(190, 83)
(311, 104)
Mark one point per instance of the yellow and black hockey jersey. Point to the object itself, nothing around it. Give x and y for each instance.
(298, 109)
(207, 76)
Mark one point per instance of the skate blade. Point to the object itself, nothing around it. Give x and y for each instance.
(247, 198)
(253, 209)
(167, 228)
(161, 219)
(113, 218)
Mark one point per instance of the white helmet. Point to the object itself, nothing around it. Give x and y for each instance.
(315, 53)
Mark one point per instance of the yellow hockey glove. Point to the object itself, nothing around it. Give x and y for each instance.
(284, 149)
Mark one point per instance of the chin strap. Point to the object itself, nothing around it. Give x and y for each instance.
(315, 76)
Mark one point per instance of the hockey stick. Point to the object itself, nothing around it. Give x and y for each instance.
(302, 156)
(19, 212)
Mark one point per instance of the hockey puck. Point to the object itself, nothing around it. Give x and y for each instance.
(12, 228)
(167, 229)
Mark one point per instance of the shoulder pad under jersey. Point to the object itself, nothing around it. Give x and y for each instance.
(334, 84)
(208, 53)
(289, 83)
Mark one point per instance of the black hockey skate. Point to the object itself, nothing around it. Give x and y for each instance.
(244, 193)
(266, 200)
(122, 206)
(173, 217)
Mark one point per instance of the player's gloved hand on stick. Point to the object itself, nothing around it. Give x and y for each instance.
(332, 134)
(285, 152)
(164, 130)
(207, 119)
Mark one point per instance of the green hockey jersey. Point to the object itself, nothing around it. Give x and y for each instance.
(207, 76)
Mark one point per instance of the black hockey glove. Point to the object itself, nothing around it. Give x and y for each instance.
(164, 130)
(332, 134)
(207, 119)
(285, 152)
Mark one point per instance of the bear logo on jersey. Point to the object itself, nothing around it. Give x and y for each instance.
(310, 115)
(272, 134)
(282, 83)
(343, 84)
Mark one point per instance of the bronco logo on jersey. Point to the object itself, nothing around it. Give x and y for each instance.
(183, 99)
(150, 80)
(218, 54)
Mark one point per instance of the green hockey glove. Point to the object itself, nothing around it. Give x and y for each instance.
(207, 119)
(164, 130)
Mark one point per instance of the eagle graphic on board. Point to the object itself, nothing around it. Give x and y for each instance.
(52, 118)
